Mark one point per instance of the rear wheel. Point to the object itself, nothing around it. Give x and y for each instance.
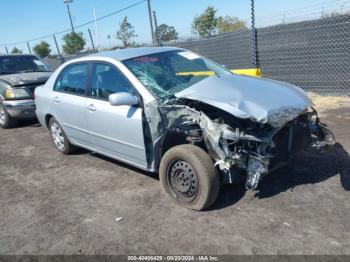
(6, 121)
(59, 138)
(188, 176)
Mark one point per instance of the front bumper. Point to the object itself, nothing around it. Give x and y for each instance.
(23, 109)
(261, 155)
(288, 142)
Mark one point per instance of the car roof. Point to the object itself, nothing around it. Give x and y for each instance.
(124, 54)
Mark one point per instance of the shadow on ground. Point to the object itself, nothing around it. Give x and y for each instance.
(306, 168)
(27, 123)
(121, 164)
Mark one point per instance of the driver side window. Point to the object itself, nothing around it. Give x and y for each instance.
(107, 80)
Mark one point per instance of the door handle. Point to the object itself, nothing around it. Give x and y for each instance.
(56, 99)
(91, 107)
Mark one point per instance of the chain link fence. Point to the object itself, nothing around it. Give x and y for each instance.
(232, 50)
(314, 55)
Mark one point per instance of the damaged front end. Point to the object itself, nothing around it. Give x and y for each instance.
(238, 146)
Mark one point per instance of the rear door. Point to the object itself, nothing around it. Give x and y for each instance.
(115, 130)
(69, 102)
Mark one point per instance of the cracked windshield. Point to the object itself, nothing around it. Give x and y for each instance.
(167, 73)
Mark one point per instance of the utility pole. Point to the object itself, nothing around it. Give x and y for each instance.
(150, 21)
(30, 51)
(96, 29)
(109, 41)
(92, 41)
(67, 2)
(58, 50)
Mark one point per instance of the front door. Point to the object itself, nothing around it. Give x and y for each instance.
(115, 130)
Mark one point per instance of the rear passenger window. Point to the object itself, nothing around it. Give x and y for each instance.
(73, 79)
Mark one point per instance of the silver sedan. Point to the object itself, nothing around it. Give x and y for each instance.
(171, 111)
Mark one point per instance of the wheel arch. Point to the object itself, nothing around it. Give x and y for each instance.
(47, 119)
(172, 139)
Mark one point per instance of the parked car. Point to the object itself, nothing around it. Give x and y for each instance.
(171, 111)
(19, 76)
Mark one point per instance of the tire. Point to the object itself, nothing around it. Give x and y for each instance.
(59, 138)
(189, 178)
(6, 121)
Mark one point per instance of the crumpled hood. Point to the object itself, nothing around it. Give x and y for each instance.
(26, 78)
(261, 100)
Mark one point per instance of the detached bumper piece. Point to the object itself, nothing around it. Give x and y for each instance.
(324, 140)
(256, 167)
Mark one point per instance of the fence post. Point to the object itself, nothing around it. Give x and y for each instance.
(58, 50)
(30, 51)
(92, 40)
(255, 53)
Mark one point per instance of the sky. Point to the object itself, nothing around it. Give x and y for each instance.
(22, 20)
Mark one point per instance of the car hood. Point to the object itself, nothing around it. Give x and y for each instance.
(261, 100)
(26, 78)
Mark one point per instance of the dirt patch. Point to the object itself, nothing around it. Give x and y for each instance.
(329, 102)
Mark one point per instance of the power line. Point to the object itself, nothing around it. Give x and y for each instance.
(79, 26)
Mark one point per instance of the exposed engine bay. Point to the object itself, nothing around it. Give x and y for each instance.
(238, 146)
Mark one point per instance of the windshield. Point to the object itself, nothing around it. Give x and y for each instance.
(21, 64)
(167, 73)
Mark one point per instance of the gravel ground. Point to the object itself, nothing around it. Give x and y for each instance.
(56, 204)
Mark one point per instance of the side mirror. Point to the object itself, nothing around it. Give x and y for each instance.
(123, 99)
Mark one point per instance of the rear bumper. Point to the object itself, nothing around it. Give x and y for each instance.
(24, 109)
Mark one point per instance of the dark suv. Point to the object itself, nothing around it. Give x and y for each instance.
(19, 76)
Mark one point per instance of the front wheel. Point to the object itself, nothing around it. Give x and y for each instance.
(188, 176)
(6, 121)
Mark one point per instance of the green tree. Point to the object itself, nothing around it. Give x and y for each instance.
(42, 49)
(126, 32)
(73, 43)
(15, 50)
(166, 33)
(205, 24)
(229, 24)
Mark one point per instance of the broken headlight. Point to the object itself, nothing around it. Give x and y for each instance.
(280, 117)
